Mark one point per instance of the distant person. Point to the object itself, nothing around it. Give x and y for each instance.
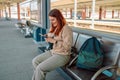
(62, 37)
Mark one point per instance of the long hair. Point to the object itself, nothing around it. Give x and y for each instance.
(60, 19)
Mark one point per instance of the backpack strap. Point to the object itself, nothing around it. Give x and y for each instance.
(94, 38)
(76, 40)
(94, 43)
(74, 59)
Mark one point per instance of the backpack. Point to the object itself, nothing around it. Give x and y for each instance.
(90, 55)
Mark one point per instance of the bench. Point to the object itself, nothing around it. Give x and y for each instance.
(21, 24)
(112, 54)
(25, 27)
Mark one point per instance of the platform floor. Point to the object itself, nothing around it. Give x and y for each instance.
(16, 54)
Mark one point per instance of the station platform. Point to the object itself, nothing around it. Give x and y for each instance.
(16, 54)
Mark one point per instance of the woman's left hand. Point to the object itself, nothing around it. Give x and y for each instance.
(51, 40)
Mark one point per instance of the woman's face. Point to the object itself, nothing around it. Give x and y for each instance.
(53, 21)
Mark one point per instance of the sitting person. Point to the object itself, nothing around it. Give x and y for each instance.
(62, 37)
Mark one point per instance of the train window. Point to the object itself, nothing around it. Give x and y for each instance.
(103, 15)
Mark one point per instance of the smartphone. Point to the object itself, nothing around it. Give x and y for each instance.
(43, 35)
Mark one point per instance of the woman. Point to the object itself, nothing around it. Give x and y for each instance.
(61, 36)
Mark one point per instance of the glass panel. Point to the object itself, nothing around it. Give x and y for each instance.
(25, 10)
(14, 12)
(34, 10)
(107, 14)
(67, 9)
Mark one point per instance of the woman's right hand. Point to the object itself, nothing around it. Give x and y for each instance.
(49, 39)
(45, 35)
(50, 35)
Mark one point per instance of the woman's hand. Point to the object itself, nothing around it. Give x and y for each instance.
(51, 40)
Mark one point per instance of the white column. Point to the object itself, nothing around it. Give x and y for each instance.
(75, 12)
(93, 14)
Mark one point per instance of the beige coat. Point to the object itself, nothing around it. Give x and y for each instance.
(64, 41)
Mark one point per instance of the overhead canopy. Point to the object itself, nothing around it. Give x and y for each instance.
(4, 3)
(109, 4)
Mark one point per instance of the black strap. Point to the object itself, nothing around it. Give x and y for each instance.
(76, 40)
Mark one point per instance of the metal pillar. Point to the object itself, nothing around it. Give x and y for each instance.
(18, 11)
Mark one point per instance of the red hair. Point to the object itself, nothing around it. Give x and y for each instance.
(60, 19)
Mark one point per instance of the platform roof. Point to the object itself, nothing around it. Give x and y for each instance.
(4, 3)
(109, 4)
